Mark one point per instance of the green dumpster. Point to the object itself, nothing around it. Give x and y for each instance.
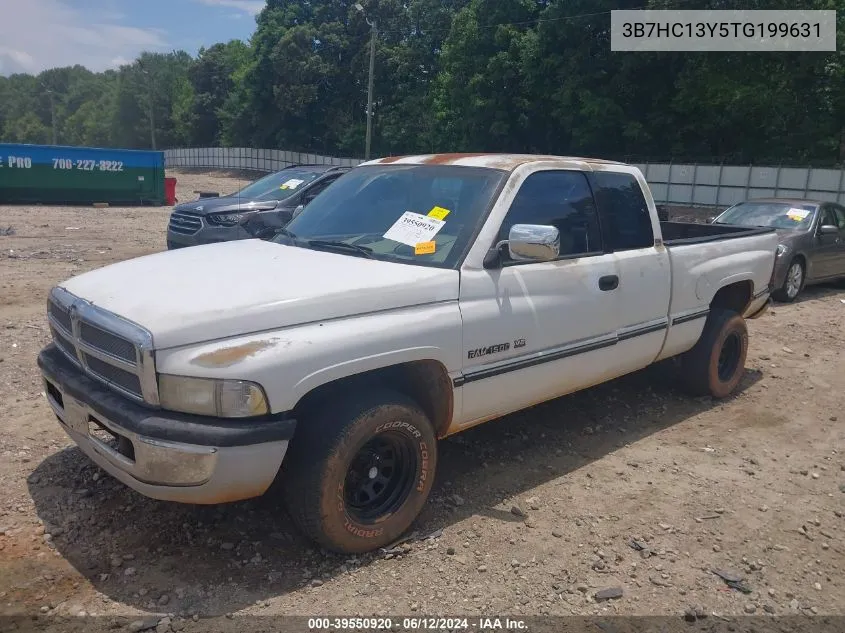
(74, 175)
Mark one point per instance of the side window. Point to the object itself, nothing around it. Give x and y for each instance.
(626, 222)
(562, 199)
(827, 216)
(317, 189)
(839, 212)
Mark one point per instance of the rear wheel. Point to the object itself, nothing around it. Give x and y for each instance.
(358, 472)
(716, 364)
(793, 283)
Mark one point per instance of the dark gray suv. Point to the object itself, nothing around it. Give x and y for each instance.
(257, 210)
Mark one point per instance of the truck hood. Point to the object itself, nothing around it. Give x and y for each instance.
(221, 290)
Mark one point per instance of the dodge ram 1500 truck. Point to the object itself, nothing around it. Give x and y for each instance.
(430, 294)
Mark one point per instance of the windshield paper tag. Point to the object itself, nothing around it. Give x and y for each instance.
(293, 183)
(439, 213)
(424, 248)
(797, 214)
(412, 228)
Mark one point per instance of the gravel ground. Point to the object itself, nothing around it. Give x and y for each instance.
(630, 486)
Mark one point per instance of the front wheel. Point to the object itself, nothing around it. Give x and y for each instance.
(358, 472)
(793, 283)
(716, 364)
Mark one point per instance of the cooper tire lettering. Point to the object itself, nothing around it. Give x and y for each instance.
(324, 478)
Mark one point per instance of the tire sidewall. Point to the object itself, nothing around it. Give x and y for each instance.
(734, 325)
(784, 292)
(343, 529)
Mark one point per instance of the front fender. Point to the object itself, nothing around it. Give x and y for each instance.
(290, 362)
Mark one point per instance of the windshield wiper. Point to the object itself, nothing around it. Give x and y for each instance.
(285, 232)
(341, 246)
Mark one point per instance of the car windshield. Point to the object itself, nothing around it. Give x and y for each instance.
(415, 214)
(779, 215)
(277, 186)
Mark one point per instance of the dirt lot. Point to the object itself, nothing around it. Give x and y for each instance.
(754, 484)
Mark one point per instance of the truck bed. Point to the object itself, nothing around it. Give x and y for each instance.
(705, 258)
(677, 233)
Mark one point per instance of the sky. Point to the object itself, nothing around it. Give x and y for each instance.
(100, 34)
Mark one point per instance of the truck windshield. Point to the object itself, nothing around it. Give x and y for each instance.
(415, 214)
(780, 215)
(277, 186)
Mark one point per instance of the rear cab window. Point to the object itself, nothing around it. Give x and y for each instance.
(623, 211)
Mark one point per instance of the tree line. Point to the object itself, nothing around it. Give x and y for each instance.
(451, 75)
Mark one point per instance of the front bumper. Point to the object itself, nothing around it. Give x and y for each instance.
(779, 273)
(207, 235)
(165, 455)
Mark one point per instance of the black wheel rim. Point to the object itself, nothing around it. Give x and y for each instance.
(729, 357)
(380, 477)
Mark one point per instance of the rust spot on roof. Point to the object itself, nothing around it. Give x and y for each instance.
(390, 159)
(445, 159)
(227, 356)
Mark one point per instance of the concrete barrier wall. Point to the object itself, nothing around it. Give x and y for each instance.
(263, 160)
(724, 185)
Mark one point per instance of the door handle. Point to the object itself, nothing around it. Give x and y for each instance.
(609, 282)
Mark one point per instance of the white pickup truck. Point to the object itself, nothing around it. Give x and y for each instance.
(412, 299)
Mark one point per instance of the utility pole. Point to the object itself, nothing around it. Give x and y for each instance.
(52, 113)
(373, 35)
(150, 97)
(53, 116)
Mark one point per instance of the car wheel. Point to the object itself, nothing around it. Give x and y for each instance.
(359, 471)
(793, 283)
(716, 364)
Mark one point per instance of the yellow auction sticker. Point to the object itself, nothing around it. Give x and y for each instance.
(438, 213)
(425, 248)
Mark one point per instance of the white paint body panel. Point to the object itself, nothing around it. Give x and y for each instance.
(316, 317)
(204, 293)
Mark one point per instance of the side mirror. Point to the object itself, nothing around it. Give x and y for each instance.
(533, 243)
(297, 211)
(828, 229)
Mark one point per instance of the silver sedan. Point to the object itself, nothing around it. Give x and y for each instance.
(812, 239)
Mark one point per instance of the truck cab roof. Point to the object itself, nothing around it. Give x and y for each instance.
(505, 162)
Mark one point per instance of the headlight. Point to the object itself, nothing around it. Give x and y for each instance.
(225, 219)
(783, 249)
(210, 396)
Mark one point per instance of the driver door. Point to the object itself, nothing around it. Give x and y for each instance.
(829, 253)
(537, 330)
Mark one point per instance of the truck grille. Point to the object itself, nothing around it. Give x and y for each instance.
(61, 315)
(106, 347)
(113, 375)
(109, 343)
(184, 222)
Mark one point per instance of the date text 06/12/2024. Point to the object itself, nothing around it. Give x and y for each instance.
(480, 624)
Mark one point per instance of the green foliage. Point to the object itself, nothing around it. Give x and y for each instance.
(452, 75)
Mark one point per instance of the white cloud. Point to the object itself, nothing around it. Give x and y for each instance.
(253, 7)
(40, 34)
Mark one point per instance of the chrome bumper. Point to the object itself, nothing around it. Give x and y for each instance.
(169, 469)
